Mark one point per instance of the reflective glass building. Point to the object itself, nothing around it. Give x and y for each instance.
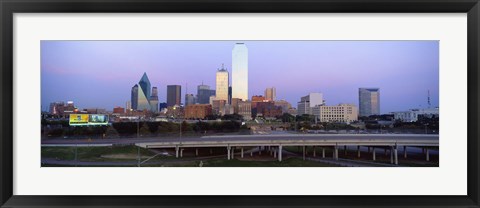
(369, 101)
(174, 93)
(240, 71)
(141, 97)
(203, 94)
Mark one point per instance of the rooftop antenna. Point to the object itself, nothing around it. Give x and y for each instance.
(429, 105)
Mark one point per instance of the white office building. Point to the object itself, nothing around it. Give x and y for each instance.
(343, 113)
(412, 114)
(308, 102)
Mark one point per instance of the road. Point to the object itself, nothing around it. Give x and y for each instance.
(325, 138)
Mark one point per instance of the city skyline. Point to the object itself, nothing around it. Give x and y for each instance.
(337, 69)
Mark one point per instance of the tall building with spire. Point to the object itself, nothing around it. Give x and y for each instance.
(240, 71)
(222, 84)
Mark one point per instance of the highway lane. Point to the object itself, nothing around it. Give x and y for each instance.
(245, 140)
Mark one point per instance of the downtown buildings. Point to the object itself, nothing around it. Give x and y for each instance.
(174, 93)
(203, 94)
(412, 115)
(342, 113)
(308, 102)
(142, 97)
(314, 104)
(222, 84)
(369, 101)
(271, 94)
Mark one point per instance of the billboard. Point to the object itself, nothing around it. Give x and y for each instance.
(88, 119)
(78, 119)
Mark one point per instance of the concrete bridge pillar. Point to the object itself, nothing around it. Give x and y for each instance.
(260, 150)
(373, 153)
(303, 152)
(358, 151)
(336, 152)
(323, 152)
(176, 151)
(251, 153)
(274, 153)
(404, 151)
(196, 151)
(391, 154)
(228, 152)
(395, 155)
(280, 153)
(427, 151)
(181, 152)
(241, 154)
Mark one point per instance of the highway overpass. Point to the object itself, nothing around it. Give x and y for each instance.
(275, 143)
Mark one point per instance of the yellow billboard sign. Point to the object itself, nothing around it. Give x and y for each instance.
(78, 119)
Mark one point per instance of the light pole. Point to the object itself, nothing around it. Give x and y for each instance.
(138, 128)
(138, 147)
(295, 121)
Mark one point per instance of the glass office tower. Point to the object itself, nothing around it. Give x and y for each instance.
(369, 101)
(141, 94)
(240, 71)
(174, 93)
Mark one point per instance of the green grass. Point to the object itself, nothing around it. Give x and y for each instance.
(91, 153)
(290, 162)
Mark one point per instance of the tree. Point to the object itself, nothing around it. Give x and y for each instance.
(111, 132)
(144, 130)
(286, 117)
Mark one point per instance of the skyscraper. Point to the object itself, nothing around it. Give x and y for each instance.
(174, 93)
(154, 99)
(203, 94)
(134, 97)
(222, 84)
(141, 95)
(190, 99)
(270, 94)
(369, 101)
(240, 71)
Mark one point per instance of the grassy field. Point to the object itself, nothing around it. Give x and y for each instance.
(290, 162)
(114, 153)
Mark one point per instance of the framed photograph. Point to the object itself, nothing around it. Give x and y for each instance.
(243, 104)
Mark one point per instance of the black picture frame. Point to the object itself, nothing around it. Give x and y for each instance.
(9, 7)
